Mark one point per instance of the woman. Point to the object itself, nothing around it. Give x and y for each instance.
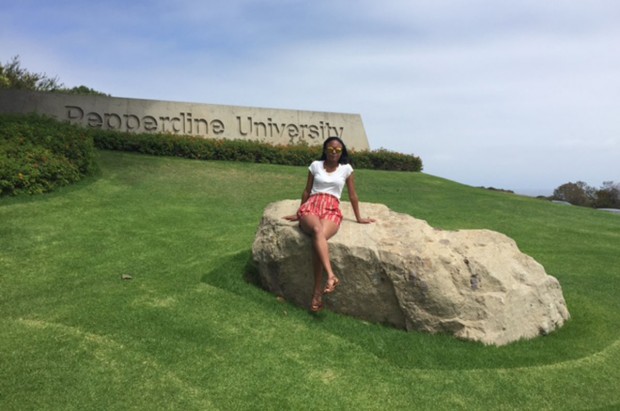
(319, 214)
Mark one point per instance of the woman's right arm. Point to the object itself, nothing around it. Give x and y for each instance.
(304, 196)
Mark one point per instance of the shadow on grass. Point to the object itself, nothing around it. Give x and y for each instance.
(233, 273)
(237, 274)
(411, 350)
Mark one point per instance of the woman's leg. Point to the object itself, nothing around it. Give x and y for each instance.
(317, 294)
(321, 231)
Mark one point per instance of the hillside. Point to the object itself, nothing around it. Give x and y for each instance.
(187, 332)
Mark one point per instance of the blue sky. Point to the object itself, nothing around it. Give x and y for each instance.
(521, 95)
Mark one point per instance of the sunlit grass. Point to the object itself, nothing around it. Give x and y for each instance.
(187, 332)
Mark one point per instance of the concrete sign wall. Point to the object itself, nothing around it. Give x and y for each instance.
(271, 126)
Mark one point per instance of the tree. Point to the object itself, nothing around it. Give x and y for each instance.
(578, 193)
(83, 90)
(608, 196)
(13, 76)
(581, 194)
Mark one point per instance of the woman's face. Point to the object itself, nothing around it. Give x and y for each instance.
(333, 150)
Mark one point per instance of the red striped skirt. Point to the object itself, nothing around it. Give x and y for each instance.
(325, 206)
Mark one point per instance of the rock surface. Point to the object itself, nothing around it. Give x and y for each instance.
(473, 284)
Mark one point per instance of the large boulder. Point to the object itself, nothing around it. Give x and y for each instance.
(473, 284)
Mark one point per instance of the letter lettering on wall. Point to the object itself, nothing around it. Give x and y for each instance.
(74, 113)
(200, 121)
(128, 122)
(293, 131)
(274, 126)
(174, 121)
(164, 120)
(217, 126)
(94, 120)
(335, 130)
(260, 125)
(314, 131)
(113, 121)
(150, 123)
(187, 123)
(244, 133)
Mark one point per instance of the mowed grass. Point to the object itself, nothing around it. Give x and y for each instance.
(188, 332)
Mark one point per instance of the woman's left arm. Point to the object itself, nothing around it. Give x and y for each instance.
(355, 201)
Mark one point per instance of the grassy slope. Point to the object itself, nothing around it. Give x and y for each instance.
(188, 332)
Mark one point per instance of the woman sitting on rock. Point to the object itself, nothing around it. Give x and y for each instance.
(319, 214)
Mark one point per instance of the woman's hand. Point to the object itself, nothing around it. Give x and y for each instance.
(367, 220)
(292, 217)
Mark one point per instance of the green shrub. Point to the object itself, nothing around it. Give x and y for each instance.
(383, 159)
(244, 150)
(39, 154)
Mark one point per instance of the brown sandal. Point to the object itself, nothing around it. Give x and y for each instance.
(316, 307)
(331, 287)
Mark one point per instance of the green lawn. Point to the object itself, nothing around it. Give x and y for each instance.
(187, 332)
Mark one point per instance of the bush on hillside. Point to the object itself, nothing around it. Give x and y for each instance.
(244, 150)
(39, 154)
(582, 194)
(383, 159)
(14, 76)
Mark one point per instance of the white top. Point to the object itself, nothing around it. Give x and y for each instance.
(329, 183)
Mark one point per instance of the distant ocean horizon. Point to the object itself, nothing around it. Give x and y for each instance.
(534, 192)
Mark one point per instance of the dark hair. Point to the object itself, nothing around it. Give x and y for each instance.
(344, 157)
